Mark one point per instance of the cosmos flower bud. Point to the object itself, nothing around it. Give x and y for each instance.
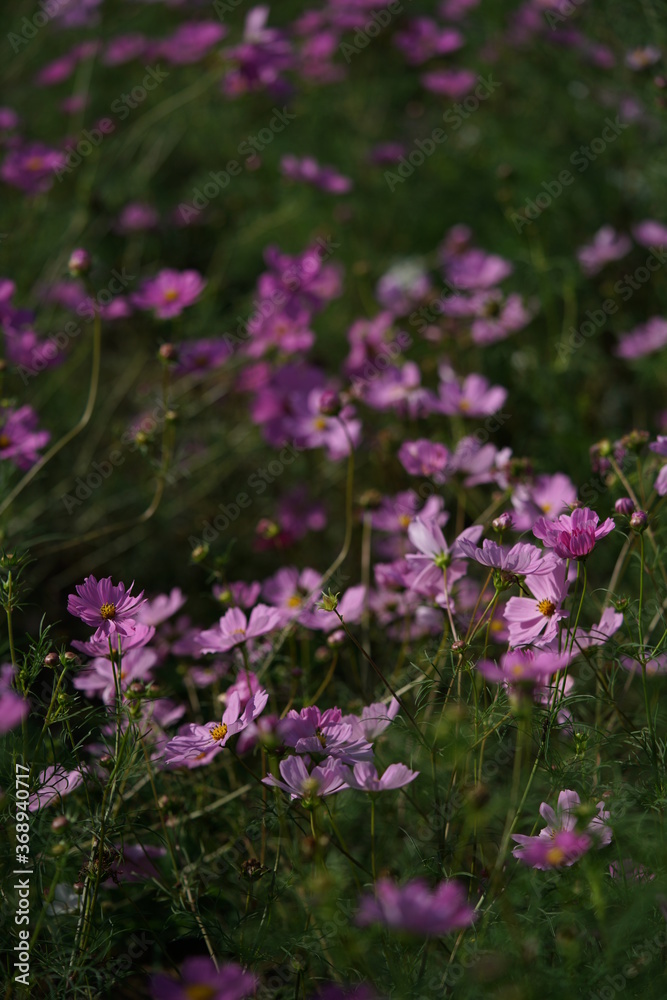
(502, 523)
(59, 823)
(329, 601)
(199, 553)
(370, 499)
(330, 403)
(78, 263)
(267, 528)
(78, 887)
(639, 521)
(51, 660)
(624, 506)
(168, 352)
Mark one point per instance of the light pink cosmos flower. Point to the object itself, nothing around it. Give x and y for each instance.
(234, 628)
(645, 339)
(324, 779)
(13, 708)
(169, 292)
(473, 397)
(374, 719)
(564, 818)
(416, 908)
(364, 777)
(650, 233)
(53, 783)
(610, 622)
(573, 536)
(434, 552)
(535, 620)
(607, 245)
(97, 679)
(161, 607)
(312, 731)
(105, 606)
(524, 667)
(547, 496)
(520, 559)
(197, 745)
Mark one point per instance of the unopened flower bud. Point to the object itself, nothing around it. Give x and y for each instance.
(370, 499)
(136, 689)
(59, 823)
(502, 523)
(639, 521)
(51, 660)
(199, 553)
(70, 658)
(267, 528)
(330, 403)
(79, 262)
(168, 352)
(624, 506)
(57, 850)
(329, 601)
(106, 761)
(78, 887)
(336, 639)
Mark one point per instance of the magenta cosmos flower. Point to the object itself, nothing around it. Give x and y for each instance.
(524, 666)
(573, 536)
(559, 851)
(234, 628)
(199, 978)
(197, 745)
(169, 292)
(416, 908)
(107, 607)
(19, 437)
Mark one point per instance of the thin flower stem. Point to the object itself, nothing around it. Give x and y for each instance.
(373, 837)
(76, 430)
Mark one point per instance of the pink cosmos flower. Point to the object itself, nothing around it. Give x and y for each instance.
(546, 496)
(645, 339)
(417, 909)
(234, 628)
(559, 851)
(169, 292)
(105, 606)
(423, 38)
(364, 777)
(535, 620)
(524, 667)
(197, 745)
(97, 679)
(520, 559)
(324, 779)
(434, 555)
(425, 458)
(650, 233)
(13, 708)
(474, 268)
(53, 783)
(141, 636)
(325, 734)
(610, 622)
(607, 245)
(643, 57)
(199, 978)
(161, 607)
(473, 397)
(137, 216)
(309, 171)
(374, 719)
(454, 83)
(573, 536)
(31, 167)
(19, 438)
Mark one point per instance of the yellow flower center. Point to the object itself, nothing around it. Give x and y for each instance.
(405, 520)
(546, 507)
(108, 611)
(321, 737)
(219, 732)
(546, 607)
(238, 631)
(320, 424)
(295, 601)
(4, 441)
(555, 855)
(35, 163)
(517, 670)
(464, 405)
(201, 992)
(170, 295)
